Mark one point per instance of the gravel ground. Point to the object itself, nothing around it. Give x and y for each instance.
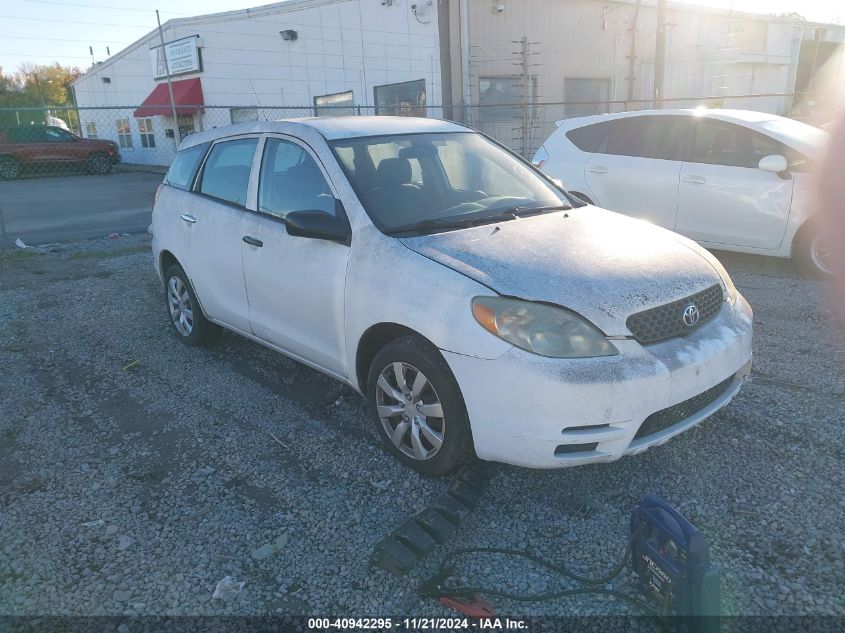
(136, 473)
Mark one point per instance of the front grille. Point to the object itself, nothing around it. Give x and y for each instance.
(667, 321)
(665, 418)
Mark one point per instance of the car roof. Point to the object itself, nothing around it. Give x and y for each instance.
(725, 114)
(330, 128)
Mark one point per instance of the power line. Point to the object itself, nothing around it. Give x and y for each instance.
(61, 39)
(18, 17)
(100, 6)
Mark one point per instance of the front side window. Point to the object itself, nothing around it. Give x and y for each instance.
(226, 172)
(124, 134)
(56, 135)
(432, 182)
(290, 180)
(145, 129)
(184, 167)
(730, 145)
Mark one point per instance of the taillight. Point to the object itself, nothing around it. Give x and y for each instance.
(158, 193)
(541, 157)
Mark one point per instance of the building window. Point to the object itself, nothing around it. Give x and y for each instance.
(501, 98)
(145, 129)
(240, 115)
(91, 129)
(186, 124)
(590, 96)
(405, 99)
(124, 134)
(338, 104)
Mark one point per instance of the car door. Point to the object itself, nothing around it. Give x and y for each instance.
(214, 215)
(723, 197)
(635, 170)
(63, 146)
(295, 284)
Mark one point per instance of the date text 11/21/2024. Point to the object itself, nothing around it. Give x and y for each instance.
(414, 624)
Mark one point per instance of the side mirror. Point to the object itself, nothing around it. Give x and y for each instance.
(318, 225)
(776, 164)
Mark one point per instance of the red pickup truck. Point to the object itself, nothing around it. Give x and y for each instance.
(40, 146)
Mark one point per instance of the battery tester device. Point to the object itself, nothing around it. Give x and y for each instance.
(672, 561)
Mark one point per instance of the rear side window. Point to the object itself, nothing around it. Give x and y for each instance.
(226, 172)
(184, 167)
(590, 138)
(660, 137)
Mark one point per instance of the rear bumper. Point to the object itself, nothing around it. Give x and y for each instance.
(541, 412)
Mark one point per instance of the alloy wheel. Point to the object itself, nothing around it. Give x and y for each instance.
(9, 169)
(410, 411)
(820, 255)
(181, 308)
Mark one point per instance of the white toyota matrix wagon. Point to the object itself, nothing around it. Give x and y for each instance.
(477, 306)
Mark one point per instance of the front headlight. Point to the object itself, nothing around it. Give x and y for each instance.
(726, 279)
(542, 329)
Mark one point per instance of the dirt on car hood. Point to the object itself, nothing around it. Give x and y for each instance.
(602, 265)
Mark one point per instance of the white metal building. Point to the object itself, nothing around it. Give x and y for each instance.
(477, 58)
(240, 65)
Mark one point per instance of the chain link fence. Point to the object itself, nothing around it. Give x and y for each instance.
(67, 139)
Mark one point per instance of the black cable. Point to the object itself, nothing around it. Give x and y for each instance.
(545, 563)
(433, 587)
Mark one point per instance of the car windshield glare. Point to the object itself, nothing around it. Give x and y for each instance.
(438, 181)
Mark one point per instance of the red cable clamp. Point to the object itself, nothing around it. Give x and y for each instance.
(474, 606)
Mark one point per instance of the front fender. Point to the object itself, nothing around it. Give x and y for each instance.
(387, 282)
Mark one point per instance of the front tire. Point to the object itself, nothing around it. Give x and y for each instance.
(10, 169)
(100, 164)
(185, 313)
(416, 407)
(813, 253)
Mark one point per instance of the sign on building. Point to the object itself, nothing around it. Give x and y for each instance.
(183, 56)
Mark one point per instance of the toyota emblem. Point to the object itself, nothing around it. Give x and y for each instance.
(691, 315)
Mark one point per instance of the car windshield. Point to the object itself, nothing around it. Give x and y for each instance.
(433, 182)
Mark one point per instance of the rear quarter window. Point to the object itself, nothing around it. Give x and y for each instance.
(590, 138)
(184, 167)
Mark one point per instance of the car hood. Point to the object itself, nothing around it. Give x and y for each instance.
(600, 264)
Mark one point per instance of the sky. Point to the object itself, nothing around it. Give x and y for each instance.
(45, 31)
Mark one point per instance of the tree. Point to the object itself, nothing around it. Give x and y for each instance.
(36, 85)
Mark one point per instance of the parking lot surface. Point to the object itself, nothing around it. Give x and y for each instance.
(136, 473)
(72, 207)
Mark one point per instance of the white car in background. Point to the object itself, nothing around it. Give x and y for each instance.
(475, 305)
(729, 179)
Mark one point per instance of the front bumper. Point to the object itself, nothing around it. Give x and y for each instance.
(540, 412)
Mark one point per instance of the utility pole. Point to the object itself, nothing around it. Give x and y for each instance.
(177, 134)
(660, 54)
(632, 58)
(526, 81)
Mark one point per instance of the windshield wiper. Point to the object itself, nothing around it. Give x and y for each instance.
(475, 220)
(521, 211)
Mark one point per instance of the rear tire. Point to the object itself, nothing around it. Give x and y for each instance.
(426, 424)
(10, 169)
(812, 254)
(100, 164)
(184, 311)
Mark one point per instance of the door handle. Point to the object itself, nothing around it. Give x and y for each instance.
(188, 218)
(598, 169)
(252, 241)
(695, 180)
